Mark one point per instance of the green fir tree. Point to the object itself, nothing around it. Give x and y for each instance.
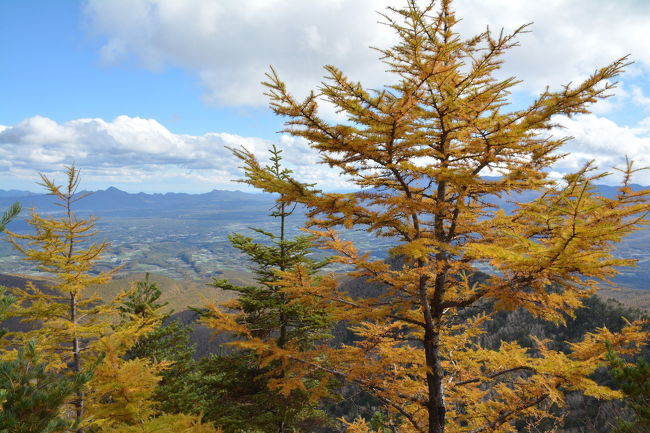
(142, 301)
(169, 342)
(32, 396)
(265, 308)
(244, 387)
(634, 379)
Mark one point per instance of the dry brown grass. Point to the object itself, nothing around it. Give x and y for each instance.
(179, 294)
(634, 298)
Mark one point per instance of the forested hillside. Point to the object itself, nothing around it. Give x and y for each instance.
(435, 297)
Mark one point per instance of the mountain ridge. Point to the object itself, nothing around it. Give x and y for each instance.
(113, 201)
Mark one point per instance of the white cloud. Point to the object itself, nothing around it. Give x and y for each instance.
(617, 102)
(230, 45)
(568, 39)
(602, 140)
(132, 149)
(144, 153)
(640, 99)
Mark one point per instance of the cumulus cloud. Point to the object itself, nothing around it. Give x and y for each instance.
(132, 149)
(605, 142)
(640, 99)
(568, 39)
(229, 45)
(144, 152)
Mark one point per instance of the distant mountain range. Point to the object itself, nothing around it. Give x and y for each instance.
(113, 201)
(185, 236)
(15, 193)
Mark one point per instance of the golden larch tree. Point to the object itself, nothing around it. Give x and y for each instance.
(72, 326)
(421, 149)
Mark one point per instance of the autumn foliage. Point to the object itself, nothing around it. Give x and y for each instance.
(429, 151)
(428, 154)
(87, 384)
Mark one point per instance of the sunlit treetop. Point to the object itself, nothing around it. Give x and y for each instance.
(430, 151)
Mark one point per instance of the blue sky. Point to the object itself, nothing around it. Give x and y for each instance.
(55, 71)
(144, 94)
